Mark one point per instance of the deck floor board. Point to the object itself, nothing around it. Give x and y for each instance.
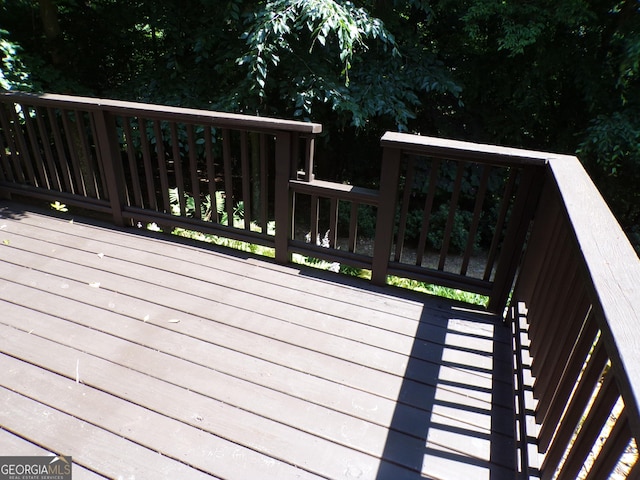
(224, 365)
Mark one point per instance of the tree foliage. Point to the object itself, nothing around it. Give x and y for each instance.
(558, 75)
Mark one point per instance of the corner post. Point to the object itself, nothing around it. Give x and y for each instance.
(111, 163)
(389, 176)
(524, 209)
(283, 200)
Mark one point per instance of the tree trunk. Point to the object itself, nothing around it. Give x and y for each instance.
(52, 30)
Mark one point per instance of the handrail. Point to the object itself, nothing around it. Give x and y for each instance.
(458, 150)
(165, 112)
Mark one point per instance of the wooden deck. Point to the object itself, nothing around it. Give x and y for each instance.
(145, 357)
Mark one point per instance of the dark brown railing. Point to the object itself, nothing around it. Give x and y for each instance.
(142, 163)
(415, 171)
(530, 215)
(237, 176)
(577, 326)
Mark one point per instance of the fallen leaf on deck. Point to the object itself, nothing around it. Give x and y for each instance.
(5, 242)
(95, 284)
(61, 207)
(174, 320)
(146, 317)
(101, 255)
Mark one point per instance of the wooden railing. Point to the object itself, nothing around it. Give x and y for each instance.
(238, 176)
(218, 173)
(576, 321)
(574, 308)
(426, 175)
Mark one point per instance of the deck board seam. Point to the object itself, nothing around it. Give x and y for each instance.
(200, 365)
(323, 353)
(174, 241)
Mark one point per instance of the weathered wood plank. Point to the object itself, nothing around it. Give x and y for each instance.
(176, 420)
(243, 274)
(354, 373)
(304, 356)
(14, 445)
(94, 448)
(407, 305)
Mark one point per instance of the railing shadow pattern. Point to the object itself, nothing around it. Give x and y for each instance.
(463, 410)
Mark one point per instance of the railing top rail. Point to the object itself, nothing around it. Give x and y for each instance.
(221, 119)
(457, 150)
(613, 268)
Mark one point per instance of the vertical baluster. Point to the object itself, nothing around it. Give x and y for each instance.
(553, 399)
(333, 222)
(162, 166)
(5, 169)
(615, 445)
(497, 233)
(100, 176)
(54, 175)
(453, 207)
(591, 426)
(574, 411)
(246, 178)
(264, 183)
(13, 150)
(38, 161)
(69, 136)
(91, 179)
(404, 210)
(65, 169)
(193, 170)
(5, 138)
(211, 173)
(549, 293)
(546, 227)
(353, 226)
(551, 359)
(133, 164)
(477, 212)
(25, 156)
(428, 208)
(522, 212)
(148, 166)
(177, 167)
(228, 175)
(315, 210)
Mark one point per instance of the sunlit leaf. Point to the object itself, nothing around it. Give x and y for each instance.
(61, 207)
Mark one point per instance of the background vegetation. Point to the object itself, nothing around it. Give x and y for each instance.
(559, 76)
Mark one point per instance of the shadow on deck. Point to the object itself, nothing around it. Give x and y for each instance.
(148, 357)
